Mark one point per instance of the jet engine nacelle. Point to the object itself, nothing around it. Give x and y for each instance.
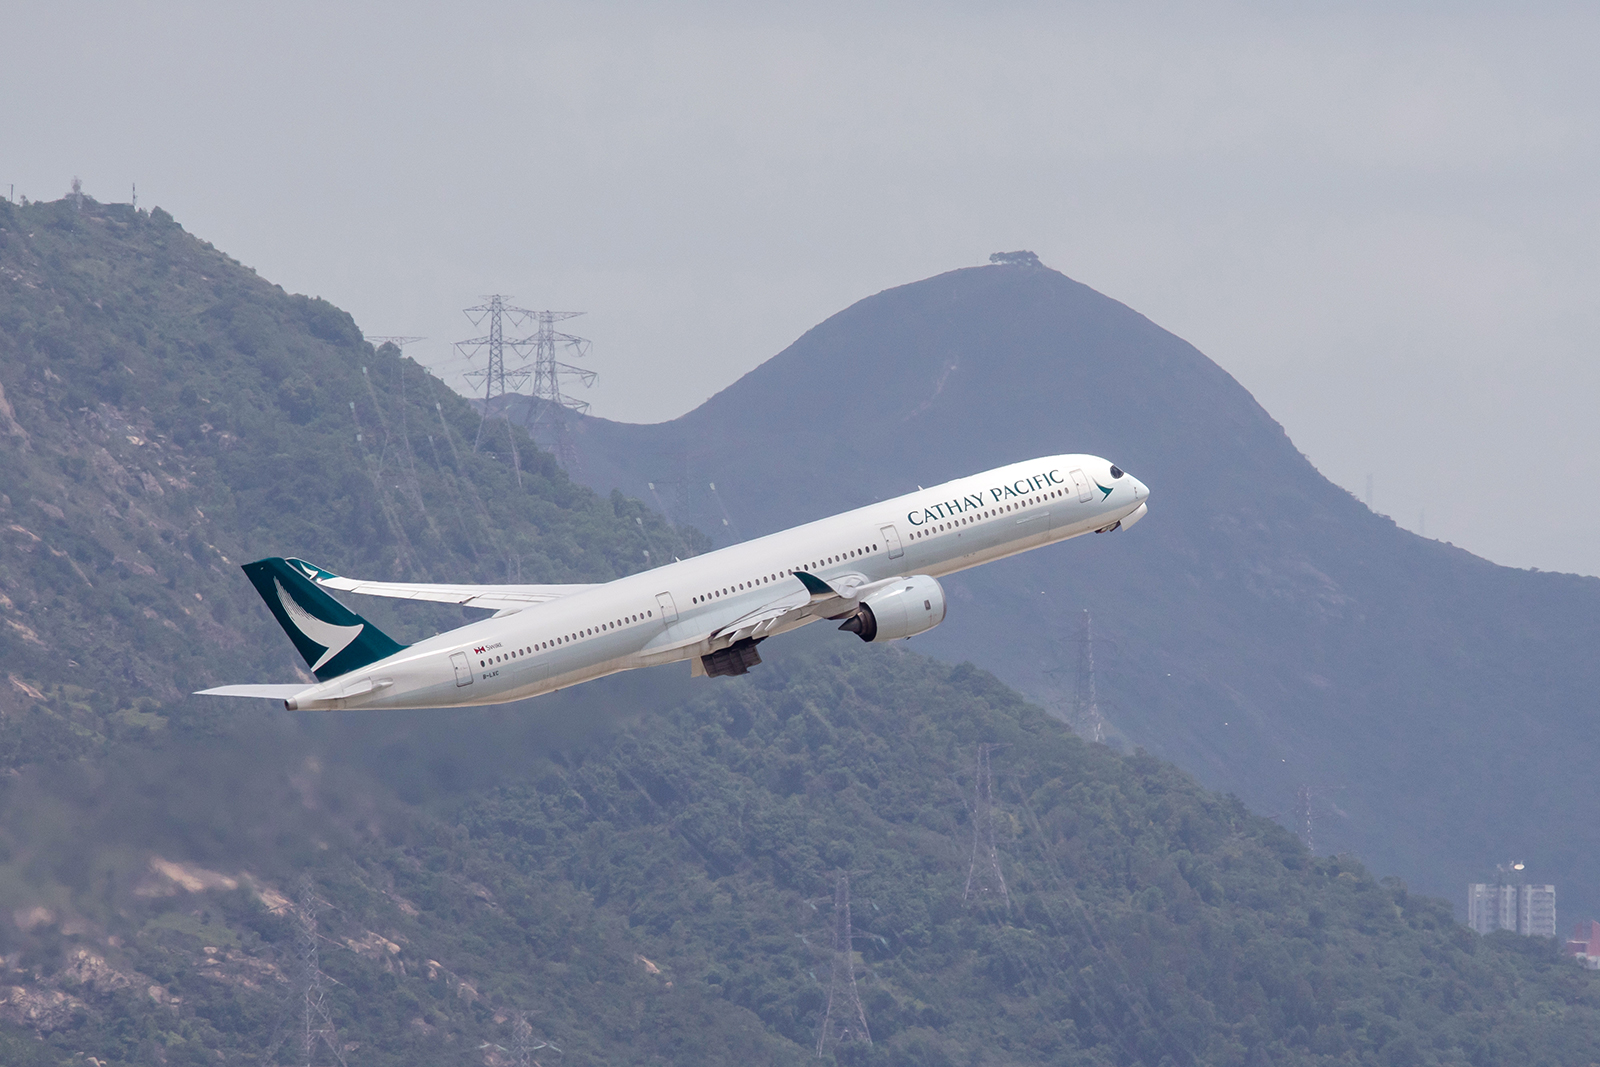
(906, 608)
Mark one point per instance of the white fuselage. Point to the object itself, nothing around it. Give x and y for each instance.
(675, 612)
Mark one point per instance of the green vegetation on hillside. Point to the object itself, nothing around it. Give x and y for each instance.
(1263, 629)
(167, 415)
(664, 896)
(645, 864)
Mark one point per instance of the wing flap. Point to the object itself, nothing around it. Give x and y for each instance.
(815, 598)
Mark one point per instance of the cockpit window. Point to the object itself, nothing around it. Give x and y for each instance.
(1116, 472)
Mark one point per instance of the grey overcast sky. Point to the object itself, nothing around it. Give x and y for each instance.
(1381, 218)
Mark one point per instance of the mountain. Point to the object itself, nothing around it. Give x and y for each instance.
(645, 866)
(1426, 709)
(664, 894)
(165, 414)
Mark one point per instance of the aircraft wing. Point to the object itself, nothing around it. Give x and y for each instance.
(815, 598)
(502, 598)
(271, 692)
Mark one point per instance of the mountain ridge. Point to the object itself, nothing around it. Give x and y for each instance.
(644, 864)
(1262, 627)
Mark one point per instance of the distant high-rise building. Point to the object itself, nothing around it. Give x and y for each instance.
(1527, 909)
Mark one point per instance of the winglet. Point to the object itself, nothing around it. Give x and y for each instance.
(310, 570)
(814, 585)
(331, 638)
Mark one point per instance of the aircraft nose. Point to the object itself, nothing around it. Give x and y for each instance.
(1139, 491)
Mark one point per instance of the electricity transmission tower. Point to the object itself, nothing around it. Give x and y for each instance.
(1308, 799)
(984, 880)
(845, 1020)
(1302, 816)
(548, 424)
(523, 1046)
(1087, 718)
(317, 1029)
(495, 379)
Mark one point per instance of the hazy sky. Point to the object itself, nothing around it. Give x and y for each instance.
(1381, 218)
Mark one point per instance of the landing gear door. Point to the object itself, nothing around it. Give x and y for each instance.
(669, 610)
(458, 660)
(1081, 480)
(891, 541)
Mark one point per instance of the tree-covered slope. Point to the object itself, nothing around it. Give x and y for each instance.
(166, 414)
(665, 895)
(1262, 628)
(645, 865)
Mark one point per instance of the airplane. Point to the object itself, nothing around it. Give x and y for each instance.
(875, 570)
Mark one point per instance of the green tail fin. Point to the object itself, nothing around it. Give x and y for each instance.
(331, 638)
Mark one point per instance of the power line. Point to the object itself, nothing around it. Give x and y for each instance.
(513, 562)
(405, 553)
(409, 469)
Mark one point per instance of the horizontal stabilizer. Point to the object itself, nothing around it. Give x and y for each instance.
(270, 692)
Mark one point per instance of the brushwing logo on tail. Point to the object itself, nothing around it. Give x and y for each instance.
(333, 638)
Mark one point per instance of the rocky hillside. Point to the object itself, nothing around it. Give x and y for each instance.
(645, 867)
(165, 415)
(663, 892)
